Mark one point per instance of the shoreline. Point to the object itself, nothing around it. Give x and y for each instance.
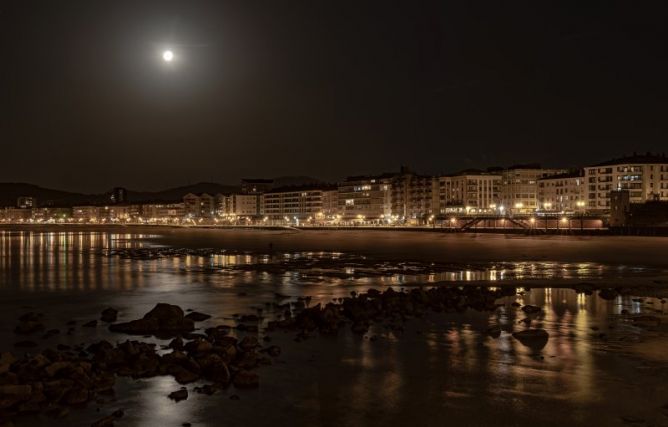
(537, 232)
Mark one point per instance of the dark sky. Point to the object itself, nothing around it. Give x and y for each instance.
(322, 88)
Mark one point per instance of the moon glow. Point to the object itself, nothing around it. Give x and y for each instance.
(168, 56)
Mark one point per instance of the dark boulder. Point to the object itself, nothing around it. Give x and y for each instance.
(109, 315)
(164, 320)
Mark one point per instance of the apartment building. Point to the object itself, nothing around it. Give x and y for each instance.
(414, 198)
(163, 211)
(330, 203)
(644, 176)
(295, 204)
(469, 192)
(562, 193)
(519, 187)
(246, 205)
(366, 198)
(199, 205)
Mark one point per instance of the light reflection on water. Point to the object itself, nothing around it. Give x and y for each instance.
(443, 368)
(57, 261)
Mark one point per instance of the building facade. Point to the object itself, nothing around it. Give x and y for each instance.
(414, 198)
(366, 198)
(297, 204)
(163, 211)
(246, 205)
(470, 193)
(562, 193)
(199, 205)
(645, 177)
(330, 204)
(519, 187)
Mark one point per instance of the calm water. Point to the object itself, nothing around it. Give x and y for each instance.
(441, 370)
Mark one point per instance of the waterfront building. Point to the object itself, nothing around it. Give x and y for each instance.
(469, 192)
(48, 214)
(330, 204)
(644, 176)
(519, 187)
(414, 198)
(85, 213)
(238, 205)
(201, 205)
(296, 204)
(562, 193)
(163, 211)
(366, 198)
(11, 214)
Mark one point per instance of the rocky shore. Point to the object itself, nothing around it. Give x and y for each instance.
(55, 381)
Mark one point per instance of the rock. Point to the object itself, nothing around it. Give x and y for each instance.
(274, 351)
(6, 360)
(16, 391)
(56, 367)
(197, 316)
(207, 389)
(28, 327)
(249, 342)
(607, 294)
(531, 309)
(494, 332)
(76, 396)
(109, 315)
(164, 320)
(199, 346)
(31, 317)
(25, 344)
(176, 344)
(535, 339)
(246, 379)
(249, 318)
(107, 421)
(183, 375)
(215, 368)
(179, 395)
(234, 397)
(91, 324)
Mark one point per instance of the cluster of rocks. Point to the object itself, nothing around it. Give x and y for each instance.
(389, 307)
(165, 252)
(56, 379)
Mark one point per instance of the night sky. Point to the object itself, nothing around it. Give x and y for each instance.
(322, 88)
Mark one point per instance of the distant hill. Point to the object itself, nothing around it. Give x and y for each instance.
(10, 191)
(176, 194)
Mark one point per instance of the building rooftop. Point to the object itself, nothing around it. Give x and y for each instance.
(647, 158)
(571, 174)
(306, 187)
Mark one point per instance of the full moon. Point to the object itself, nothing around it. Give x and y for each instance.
(168, 56)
